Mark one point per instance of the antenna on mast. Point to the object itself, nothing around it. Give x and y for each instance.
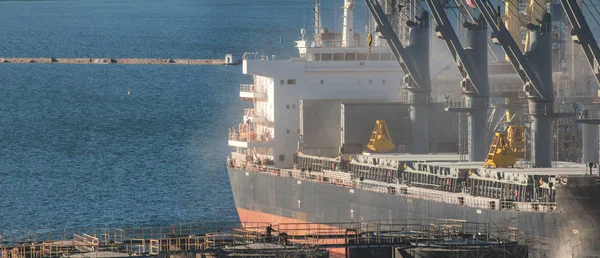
(317, 23)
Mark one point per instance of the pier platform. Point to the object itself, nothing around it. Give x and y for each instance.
(393, 238)
(95, 60)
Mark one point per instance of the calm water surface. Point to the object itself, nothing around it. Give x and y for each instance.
(76, 150)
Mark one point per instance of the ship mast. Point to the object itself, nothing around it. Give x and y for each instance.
(347, 32)
(317, 23)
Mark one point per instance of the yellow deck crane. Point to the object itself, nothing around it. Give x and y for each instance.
(515, 133)
(381, 140)
(508, 145)
(500, 155)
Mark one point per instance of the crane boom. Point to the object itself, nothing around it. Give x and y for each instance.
(399, 51)
(502, 36)
(445, 31)
(414, 62)
(582, 35)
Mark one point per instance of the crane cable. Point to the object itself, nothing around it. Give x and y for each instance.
(541, 6)
(398, 12)
(464, 11)
(517, 16)
(591, 14)
(455, 13)
(421, 5)
(595, 8)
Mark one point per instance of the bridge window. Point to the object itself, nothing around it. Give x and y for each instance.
(373, 56)
(338, 57)
(350, 56)
(361, 56)
(326, 57)
(291, 81)
(385, 56)
(317, 57)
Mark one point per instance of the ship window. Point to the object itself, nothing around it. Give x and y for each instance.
(385, 56)
(373, 56)
(350, 56)
(361, 56)
(370, 81)
(291, 81)
(287, 131)
(293, 106)
(281, 157)
(317, 57)
(282, 82)
(338, 57)
(326, 57)
(287, 106)
(382, 81)
(322, 81)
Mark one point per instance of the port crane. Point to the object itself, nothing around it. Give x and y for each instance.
(535, 71)
(414, 62)
(582, 35)
(472, 63)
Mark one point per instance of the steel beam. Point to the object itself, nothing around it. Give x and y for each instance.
(414, 62)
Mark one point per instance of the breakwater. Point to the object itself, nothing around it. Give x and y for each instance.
(134, 61)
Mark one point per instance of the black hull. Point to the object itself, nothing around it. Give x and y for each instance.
(569, 231)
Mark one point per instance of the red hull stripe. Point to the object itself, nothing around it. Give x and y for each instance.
(249, 216)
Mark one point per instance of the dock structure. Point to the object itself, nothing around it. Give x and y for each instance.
(95, 60)
(227, 239)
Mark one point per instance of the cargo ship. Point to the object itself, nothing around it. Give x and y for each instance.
(332, 138)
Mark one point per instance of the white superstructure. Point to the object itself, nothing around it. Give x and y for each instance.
(330, 66)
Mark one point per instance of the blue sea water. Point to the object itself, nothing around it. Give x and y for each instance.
(76, 150)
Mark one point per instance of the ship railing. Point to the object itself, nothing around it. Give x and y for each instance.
(529, 206)
(253, 112)
(331, 178)
(466, 104)
(426, 195)
(251, 88)
(410, 192)
(139, 241)
(251, 136)
(214, 235)
(588, 114)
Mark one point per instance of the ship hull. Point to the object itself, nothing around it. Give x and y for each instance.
(268, 198)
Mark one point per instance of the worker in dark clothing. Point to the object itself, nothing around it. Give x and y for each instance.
(270, 230)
